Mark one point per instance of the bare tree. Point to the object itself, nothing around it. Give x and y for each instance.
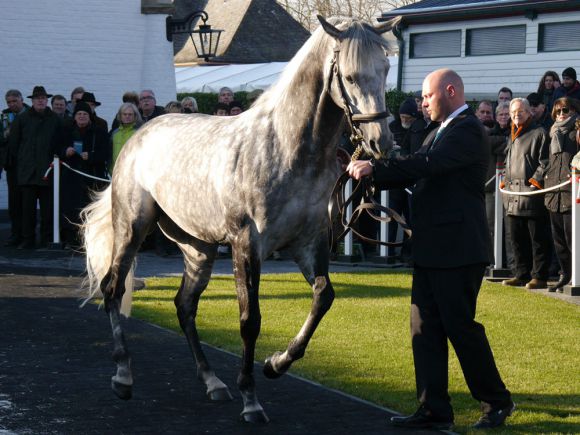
(305, 11)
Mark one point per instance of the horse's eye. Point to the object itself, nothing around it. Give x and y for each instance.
(349, 79)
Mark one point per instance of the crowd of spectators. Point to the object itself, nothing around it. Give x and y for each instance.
(31, 135)
(535, 139)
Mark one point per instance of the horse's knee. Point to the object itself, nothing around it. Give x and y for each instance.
(250, 324)
(323, 294)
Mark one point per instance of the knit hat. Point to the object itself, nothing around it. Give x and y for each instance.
(534, 99)
(569, 72)
(81, 106)
(409, 107)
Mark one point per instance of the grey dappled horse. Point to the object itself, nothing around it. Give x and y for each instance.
(260, 181)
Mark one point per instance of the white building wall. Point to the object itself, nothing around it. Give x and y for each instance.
(485, 75)
(106, 46)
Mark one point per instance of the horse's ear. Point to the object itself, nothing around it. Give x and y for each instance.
(328, 28)
(387, 25)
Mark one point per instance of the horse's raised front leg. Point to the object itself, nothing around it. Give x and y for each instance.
(313, 262)
(247, 274)
(199, 258)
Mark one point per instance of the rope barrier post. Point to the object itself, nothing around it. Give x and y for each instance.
(573, 289)
(498, 271)
(56, 205)
(384, 226)
(349, 255)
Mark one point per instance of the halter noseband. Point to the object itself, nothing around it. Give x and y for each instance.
(356, 136)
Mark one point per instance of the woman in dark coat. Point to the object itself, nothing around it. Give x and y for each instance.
(563, 147)
(86, 149)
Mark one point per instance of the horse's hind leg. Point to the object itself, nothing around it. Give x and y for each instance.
(131, 224)
(199, 258)
(313, 262)
(247, 275)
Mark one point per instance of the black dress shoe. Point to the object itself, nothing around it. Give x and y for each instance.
(27, 244)
(564, 279)
(422, 419)
(494, 418)
(12, 241)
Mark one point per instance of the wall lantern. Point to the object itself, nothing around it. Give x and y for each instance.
(205, 39)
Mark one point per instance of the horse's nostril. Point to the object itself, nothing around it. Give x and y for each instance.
(372, 143)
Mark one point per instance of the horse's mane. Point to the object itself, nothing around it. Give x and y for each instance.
(357, 38)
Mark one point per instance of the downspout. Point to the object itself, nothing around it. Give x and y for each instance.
(398, 32)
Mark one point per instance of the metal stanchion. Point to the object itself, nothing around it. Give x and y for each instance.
(573, 289)
(349, 255)
(498, 271)
(384, 226)
(56, 205)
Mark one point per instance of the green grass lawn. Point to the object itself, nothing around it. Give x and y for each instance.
(363, 346)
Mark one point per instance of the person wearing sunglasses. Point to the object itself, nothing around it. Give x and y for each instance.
(563, 147)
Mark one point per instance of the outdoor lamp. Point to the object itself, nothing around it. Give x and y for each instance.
(205, 39)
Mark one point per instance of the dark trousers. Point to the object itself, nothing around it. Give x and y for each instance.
(530, 239)
(562, 233)
(30, 195)
(14, 204)
(443, 305)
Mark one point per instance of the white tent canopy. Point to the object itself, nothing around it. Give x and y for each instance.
(243, 77)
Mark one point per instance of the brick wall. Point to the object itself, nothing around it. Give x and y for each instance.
(106, 46)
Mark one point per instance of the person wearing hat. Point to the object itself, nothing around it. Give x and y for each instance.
(539, 113)
(398, 199)
(570, 87)
(89, 98)
(34, 138)
(86, 149)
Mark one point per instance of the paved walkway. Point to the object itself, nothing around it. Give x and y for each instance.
(55, 366)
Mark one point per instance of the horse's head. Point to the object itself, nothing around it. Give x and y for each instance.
(356, 82)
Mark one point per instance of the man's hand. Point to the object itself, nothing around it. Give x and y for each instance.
(359, 169)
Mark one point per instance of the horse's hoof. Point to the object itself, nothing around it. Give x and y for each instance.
(269, 371)
(254, 417)
(220, 395)
(122, 391)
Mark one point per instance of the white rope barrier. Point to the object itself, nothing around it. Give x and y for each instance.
(107, 180)
(535, 192)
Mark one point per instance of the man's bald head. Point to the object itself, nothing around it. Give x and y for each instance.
(443, 93)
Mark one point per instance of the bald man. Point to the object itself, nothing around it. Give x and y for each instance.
(450, 253)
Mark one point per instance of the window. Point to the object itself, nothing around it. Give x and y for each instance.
(495, 40)
(559, 36)
(435, 44)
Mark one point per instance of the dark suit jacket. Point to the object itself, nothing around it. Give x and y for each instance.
(448, 204)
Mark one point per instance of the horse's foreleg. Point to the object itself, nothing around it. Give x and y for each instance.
(198, 266)
(247, 275)
(314, 266)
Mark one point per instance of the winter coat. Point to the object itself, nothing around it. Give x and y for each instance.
(33, 141)
(573, 92)
(527, 158)
(562, 147)
(497, 142)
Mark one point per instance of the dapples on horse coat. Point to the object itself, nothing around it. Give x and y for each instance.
(260, 181)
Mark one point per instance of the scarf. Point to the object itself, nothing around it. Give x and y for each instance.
(517, 132)
(558, 133)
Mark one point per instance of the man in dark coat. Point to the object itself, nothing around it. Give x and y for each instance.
(527, 218)
(32, 143)
(16, 106)
(450, 251)
(570, 86)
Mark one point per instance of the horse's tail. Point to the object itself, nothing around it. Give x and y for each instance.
(97, 230)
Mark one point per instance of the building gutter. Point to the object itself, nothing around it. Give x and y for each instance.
(398, 32)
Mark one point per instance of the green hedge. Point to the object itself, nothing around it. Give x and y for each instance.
(206, 102)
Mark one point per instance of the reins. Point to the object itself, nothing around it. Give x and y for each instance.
(368, 203)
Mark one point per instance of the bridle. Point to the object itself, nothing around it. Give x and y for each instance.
(368, 203)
